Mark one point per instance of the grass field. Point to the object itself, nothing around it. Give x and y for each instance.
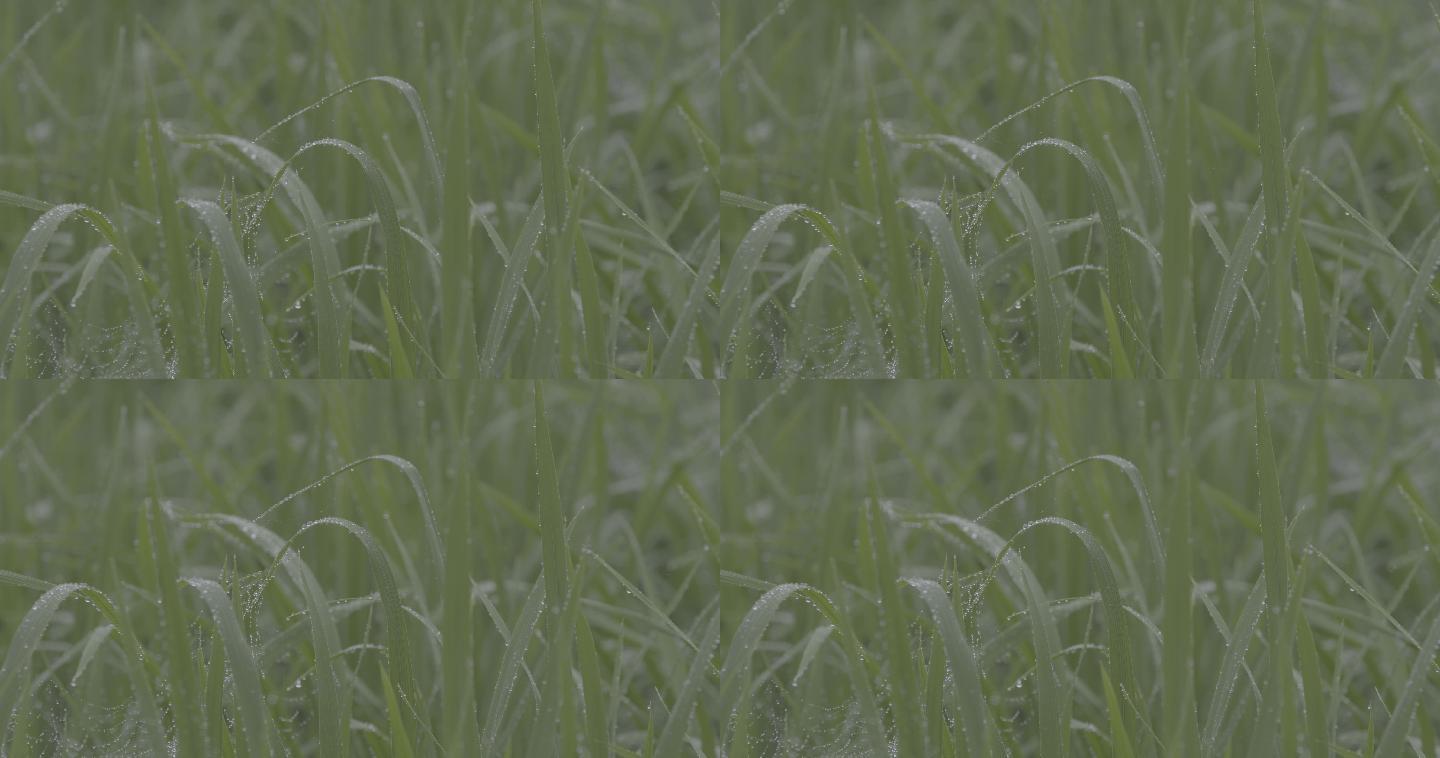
(799, 568)
(608, 188)
(511, 219)
(1113, 189)
(297, 188)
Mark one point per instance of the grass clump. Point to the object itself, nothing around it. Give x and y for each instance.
(590, 569)
(294, 189)
(1101, 166)
(1242, 188)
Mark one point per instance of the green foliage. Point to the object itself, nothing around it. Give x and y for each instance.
(588, 569)
(1121, 189)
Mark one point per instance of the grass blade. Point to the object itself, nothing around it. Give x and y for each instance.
(244, 671)
(975, 718)
(1393, 739)
(555, 187)
(1392, 358)
(976, 345)
(1235, 267)
(1276, 317)
(259, 353)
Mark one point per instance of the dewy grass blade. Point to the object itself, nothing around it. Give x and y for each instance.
(244, 672)
(516, 264)
(332, 678)
(259, 353)
(15, 671)
(1051, 674)
(15, 288)
(1177, 267)
(909, 736)
(681, 335)
(399, 736)
(904, 308)
(1051, 296)
(555, 187)
(184, 685)
(25, 38)
(1121, 268)
(412, 99)
(1234, 278)
(1278, 310)
(458, 731)
(551, 519)
(1277, 570)
(735, 671)
(1272, 512)
(333, 301)
(156, 176)
(397, 640)
(22, 201)
(555, 565)
(735, 290)
(975, 717)
(398, 265)
(457, 351)
(976, 345)
(1394, 738)
(1179, 730)
(1392, 358)
(1228, 679)
(1121, 650)
(681, 710)
(434, 546)
(511, 662)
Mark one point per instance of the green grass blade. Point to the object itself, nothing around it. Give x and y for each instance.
(14, 672)
(398, 265)
(1392, 358)
(1277, 569)
(184, 685)
(332, 678)
(397, 640)
(1272, 512)
(517, 261)
(735, 671)
(399, 737)
(1229, 673)
(975, 718)
(976, 345)
(1235, 267)
(332, 298)
(550, 516)
(1052, 298)
(159, 181)
(1394, 738)
(689, 693)
(1179, 356)
(457, 653)
(1179, 730)
(905, 692)
(1049, 667)
(412, 99)
(905, 310)
(1275, 321)
(511, 662)
(244, 671)
(15, 288)
(672, 356)
(555, 187)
